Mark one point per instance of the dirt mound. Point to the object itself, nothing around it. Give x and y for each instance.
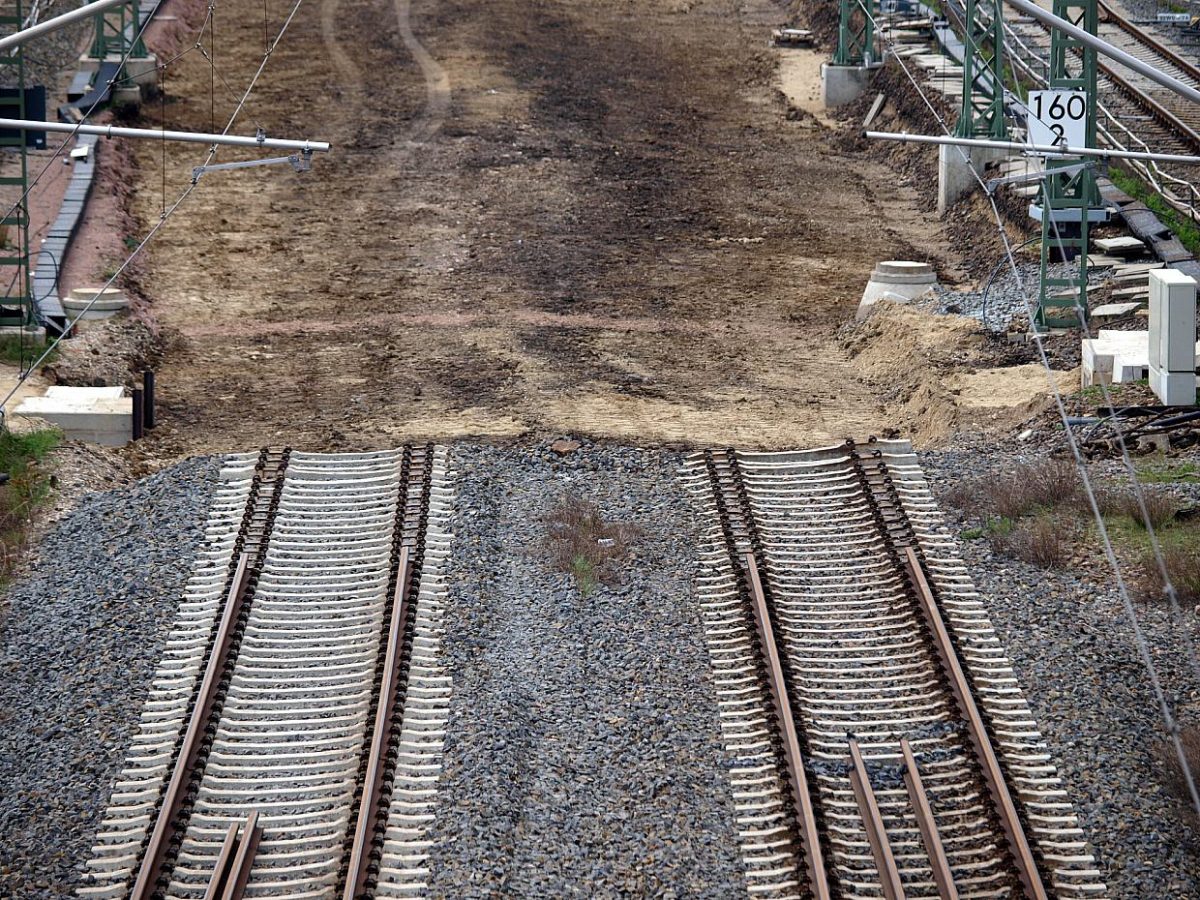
(934, 377)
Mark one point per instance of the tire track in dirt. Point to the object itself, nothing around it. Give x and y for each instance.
(437, 81)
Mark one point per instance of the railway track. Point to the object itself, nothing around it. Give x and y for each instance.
(291, 742)
(877, 740)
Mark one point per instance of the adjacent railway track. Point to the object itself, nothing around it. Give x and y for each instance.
(877, 739)
(291, 743)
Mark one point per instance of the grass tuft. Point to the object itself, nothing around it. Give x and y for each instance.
(27, 488)
(582, 544)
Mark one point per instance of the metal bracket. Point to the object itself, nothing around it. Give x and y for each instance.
(301, 162)
(994, 183)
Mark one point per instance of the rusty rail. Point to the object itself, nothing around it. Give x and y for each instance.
(797, 779)
(250, 545)
(926, 823)
(897, 531)
(868, 807)
(232, 871)
(1006, 809)
(368, 810)
(164, 826)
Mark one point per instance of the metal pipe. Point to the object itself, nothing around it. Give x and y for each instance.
(148, 398)
(139, 412)
(1102, 46)
(151, 134)
(35, 31)
(1037, 149)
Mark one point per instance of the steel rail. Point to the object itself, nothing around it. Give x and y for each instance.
(897, 531)
(368, 812)
(797, 778)
(1185, 65)
(930, 837)
(868, 807)
(164, 826)
(993, 774)
(158, 134)
(232, 870)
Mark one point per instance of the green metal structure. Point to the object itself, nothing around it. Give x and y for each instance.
(16, 287)
(1067, 199)
(118, 33)
(983, 52)
(856, 33)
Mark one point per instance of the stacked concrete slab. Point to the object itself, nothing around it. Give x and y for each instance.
(1172, 338)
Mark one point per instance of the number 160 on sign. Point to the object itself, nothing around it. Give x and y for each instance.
(1058, 118)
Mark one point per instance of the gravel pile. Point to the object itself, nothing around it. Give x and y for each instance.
(997, 304)
(80, 636)
(583, 754)
(1075, 656)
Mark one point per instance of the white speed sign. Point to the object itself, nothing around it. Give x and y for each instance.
(1057, 118)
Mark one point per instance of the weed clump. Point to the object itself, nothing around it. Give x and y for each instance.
(1182, 564)
(582, 544)
(27, 487)
(1173, 777)
(1048, 484)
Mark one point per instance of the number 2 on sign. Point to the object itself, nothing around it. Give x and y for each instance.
(1058, 118)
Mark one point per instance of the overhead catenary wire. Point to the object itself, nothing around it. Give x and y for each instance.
(1142, 645)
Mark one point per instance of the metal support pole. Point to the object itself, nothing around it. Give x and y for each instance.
(983, 75)
(856, 33)
(118, 32)
(154, 134)
(35, 31)
(16, 287)
(1067, 199)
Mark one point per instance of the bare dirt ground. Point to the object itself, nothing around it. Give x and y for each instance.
(539, 217)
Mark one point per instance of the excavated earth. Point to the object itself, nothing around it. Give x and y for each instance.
(539, 217)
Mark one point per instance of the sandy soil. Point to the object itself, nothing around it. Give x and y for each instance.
(539, 218)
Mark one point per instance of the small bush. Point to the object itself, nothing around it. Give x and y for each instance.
(1047, 484)
(1173, 778)
(582, 543)
(1182, 562)
(1160, 507)
(26, 489)
(1042, 541)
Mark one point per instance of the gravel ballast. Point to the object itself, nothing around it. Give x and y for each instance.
(583, 755)
(1075, 655)
(80, 636)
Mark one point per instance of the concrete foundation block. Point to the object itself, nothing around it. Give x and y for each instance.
(1173, 388)
(108, 302)
(842, 84)
(897, 280)
(99, 415)
(957, 168)
(142, 71)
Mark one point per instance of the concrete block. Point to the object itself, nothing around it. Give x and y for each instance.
(957, 168)
(1121, 246)
(842, 84)
(1172, 321)
(1097, 367)
(142, 71)
(1115, 356)
(897, 280)
(99, 415)
(1173, 388)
